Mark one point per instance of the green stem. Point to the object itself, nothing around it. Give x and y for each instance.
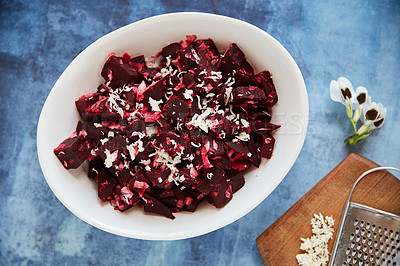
(354, 123)
(355, 138)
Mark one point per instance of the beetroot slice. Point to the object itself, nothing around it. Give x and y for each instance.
(93, 108)
(253, 154)
(96, 165)
(234, 63)
(237, 179)
(187, 58)
(135, 127)
(73, 151)
(249, 94)
(157, 90)
(232, 59)
(105, 185)
(138, 63)
(84, 103)
(170, 50)
(267, 145)
(117, 72)
(124, 198)
(176, 108)
(153, 205)
(220, 194)
(264, 81)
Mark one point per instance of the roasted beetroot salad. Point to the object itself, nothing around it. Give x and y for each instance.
(167, 134)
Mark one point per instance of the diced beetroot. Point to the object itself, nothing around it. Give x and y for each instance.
(124, 198)
(263, 127)
(94, 133)
(237, 180)
(189, 82)
(102, 89)
(117, 72)
(216, 175)
(250, 94)
(139, 183)
(96, 165)
(220, 194)
(73, 151)
(84, 103)
(105, 185)
(130, 98)
(135, 127)
(144, 155)
(238, 146)
(187, 58)
(176, 108)
(93, 108)
(223, 162)
(193, 202)
(244, 73)
(209, 55)
(264, 81)
(157, 90)
(232, 59)
(190, 174)
(204, 185)
(234, 63)
(159, 177)
(153, 205)
(241, 165)
(253, 155)
(267, 142)
(173, 143)
(210, 79)
(122, 175)
(207, 48)
(111, 151)
(138, 63)
(213, 148)
(181, 199)
(150, 75)
(170, 50)
(173, 204)
(223, 128)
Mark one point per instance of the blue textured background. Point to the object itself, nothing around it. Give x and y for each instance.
(38, 39)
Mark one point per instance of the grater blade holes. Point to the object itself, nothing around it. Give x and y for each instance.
(371, 248)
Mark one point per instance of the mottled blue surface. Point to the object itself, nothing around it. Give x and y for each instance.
(38, 39)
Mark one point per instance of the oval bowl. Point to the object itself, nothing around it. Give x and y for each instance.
(59, 117)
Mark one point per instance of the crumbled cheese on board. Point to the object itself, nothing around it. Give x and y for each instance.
(316, 247)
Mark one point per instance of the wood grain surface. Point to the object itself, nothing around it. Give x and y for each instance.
(280, 243)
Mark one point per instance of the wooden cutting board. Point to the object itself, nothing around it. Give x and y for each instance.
(280, 243)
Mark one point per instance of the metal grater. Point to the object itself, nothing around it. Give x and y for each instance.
(367, 236)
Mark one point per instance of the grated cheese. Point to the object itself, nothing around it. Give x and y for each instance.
(110, 157)
(316, 247)
(155, 105)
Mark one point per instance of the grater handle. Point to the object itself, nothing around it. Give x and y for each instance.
(367, 173)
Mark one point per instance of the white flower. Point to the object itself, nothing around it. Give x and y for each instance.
(362, 95)
(373, 117)
(361, 98)
(342, 91)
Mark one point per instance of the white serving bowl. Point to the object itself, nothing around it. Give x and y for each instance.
(59, 117)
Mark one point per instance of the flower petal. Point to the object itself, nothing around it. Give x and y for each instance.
(335, 92)
(346, 88)
(361, 95)
(374, 114)
(381, 117)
